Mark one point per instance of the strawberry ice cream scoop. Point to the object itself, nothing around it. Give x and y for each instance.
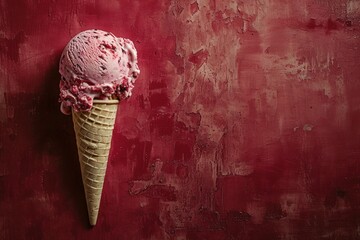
(96, 65)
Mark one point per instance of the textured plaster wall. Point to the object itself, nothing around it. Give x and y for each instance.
(244, 123)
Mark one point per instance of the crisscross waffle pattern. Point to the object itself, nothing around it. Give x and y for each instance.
(93, 138)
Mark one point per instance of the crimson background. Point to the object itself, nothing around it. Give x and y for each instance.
(244, 123)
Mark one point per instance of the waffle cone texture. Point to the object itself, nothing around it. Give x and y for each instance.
(93, 132)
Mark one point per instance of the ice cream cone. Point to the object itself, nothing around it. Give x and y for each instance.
(93, 138)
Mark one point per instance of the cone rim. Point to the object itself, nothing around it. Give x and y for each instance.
(107, 101)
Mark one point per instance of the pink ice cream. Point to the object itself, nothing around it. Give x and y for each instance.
(96, 65)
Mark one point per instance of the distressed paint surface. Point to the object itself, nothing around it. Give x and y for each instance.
(244, 123)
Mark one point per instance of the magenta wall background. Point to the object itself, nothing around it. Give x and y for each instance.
(244, 123)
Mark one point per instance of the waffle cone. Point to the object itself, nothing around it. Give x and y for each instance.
(93, 138)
